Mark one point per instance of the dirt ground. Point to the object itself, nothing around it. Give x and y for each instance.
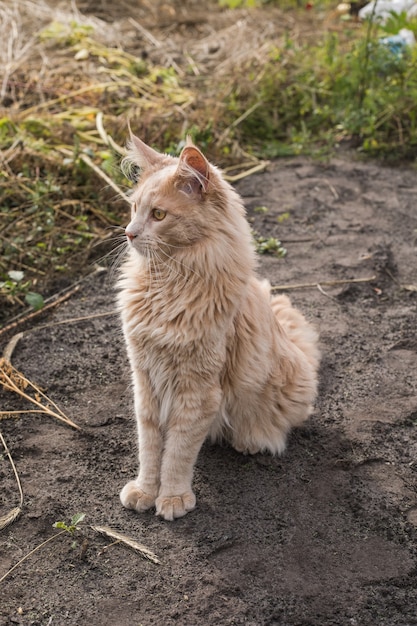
(325, 535)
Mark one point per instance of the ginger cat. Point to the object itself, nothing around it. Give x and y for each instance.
(211, 352)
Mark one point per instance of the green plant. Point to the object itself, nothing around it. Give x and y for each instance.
(311, 98)
(396, 21)
(268, 245)
(236, 4)
(13, 287)
(70, 528)
(73, 526)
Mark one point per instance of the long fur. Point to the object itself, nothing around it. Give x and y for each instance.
(211, 353)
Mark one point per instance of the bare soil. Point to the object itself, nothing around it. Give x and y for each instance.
(325, 535)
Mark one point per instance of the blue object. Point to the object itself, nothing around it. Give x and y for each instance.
(395, 44)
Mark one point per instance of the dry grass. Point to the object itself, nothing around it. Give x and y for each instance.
(74, 74)
(13, 514)
(11, 379)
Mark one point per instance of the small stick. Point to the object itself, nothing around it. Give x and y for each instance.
(56, 298)
(237, 121)
(320, 288)
(73, 320)
(72, 94)
(9, 349)
(329, 283)
(107, 138)
(332, 189)
(145, 33)
(143, 550)
(257, 168)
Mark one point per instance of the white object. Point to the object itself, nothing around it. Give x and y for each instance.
(408, 37)
(384, 8)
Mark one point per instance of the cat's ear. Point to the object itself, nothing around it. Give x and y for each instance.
(142, 155)
(193, 171)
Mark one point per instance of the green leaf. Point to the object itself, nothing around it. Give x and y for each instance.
(34, 300)
(77, 519)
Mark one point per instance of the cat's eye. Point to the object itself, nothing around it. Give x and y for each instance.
(158, 214)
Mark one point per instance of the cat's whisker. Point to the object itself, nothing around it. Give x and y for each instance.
(113, 238)
(158, 262)
(153, 262)
(181, 263)
(115, 256)
(152, 270)
(173, 272)
(171, 245)
(116, 228)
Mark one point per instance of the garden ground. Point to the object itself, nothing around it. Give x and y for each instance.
(325, 535)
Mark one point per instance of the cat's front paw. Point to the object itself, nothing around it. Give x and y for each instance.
(171, 507)
(132, 497)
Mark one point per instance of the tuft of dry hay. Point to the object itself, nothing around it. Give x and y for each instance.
(11, 379)
(11, 516)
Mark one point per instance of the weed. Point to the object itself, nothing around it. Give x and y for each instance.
(347, 86)
(72, 527)
(268, 245)
(14, 287)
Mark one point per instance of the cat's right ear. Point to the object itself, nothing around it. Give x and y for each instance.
(142, 155)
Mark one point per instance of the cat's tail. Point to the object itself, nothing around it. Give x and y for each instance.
(299, 331)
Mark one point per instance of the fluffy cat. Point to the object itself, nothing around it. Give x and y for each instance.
(211, 352)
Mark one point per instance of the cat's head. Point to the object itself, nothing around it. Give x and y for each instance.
(170, 200)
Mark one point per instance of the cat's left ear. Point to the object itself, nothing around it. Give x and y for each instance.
(193, 171)
(141, 154)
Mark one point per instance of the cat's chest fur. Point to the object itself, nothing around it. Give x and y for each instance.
(171, 331)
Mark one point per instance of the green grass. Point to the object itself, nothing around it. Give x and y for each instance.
(311, 98)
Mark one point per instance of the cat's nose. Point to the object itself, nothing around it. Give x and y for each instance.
(130, 235)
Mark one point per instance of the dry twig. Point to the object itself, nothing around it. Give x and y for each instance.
(253, 170)
(139, 547)
(329, 283)
(86, 159)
